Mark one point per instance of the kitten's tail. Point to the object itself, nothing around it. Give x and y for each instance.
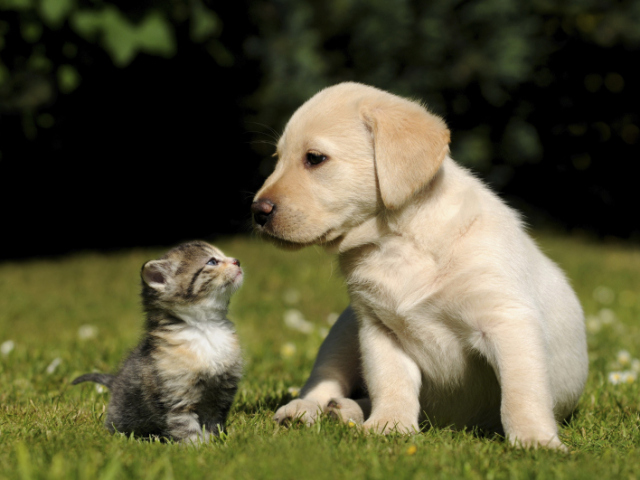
(102, 378)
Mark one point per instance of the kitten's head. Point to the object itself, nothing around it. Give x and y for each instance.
(193, 275)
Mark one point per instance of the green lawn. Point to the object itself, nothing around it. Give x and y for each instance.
(81, 313)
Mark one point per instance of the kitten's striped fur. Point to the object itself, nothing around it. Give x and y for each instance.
(180, 381)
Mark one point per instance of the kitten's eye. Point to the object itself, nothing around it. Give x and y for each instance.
(213, 262)
(314, 158)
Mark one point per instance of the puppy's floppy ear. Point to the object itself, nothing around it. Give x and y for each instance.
(409, 144)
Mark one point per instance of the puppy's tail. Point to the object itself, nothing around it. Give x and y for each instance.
(101, 378)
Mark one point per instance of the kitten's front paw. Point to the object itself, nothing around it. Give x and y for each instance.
(385, 426)
(305, 411)
(346, 409)
(196, 439)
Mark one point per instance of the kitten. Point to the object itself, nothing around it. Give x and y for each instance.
(180, 381)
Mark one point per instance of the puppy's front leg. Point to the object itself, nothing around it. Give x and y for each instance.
(335, 374)
(517, 352)
(393, 380)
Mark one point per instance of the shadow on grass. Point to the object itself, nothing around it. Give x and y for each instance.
(571, 418)
(478, 432)
(269, 402)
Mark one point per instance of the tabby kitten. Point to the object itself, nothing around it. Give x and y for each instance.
(180, 381)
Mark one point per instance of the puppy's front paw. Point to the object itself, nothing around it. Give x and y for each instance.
(389, 425)
(540, 441)
(346, 409)
(305, 411)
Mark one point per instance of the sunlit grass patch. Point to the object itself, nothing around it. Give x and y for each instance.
(60, 318)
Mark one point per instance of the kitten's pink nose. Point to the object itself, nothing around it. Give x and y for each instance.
(236, 262)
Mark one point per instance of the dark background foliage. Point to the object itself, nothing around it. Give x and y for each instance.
(136, 123)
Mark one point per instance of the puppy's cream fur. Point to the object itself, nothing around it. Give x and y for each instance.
(455, 313)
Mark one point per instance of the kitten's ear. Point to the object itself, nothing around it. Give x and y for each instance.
(154, 274)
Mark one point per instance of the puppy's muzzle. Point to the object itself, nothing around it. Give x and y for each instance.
(262, 211)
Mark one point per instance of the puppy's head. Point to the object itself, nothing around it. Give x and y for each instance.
(347, 154)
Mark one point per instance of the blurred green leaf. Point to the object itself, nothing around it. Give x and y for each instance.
(474, 148)
(155, 35)
(121, 38)
(39, 62)
(15, 4)
(54, 12)
(220, 54)
(68, 78)
(45, 120)
(511, 52)
(87, 23)
(522, 142)
(31, 31)
(204, 23)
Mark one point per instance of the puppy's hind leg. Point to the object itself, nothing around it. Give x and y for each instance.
(335, 374)
(515, 347)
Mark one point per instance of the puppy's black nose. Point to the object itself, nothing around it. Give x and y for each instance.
(262, 209)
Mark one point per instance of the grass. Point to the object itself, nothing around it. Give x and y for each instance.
(49, 429)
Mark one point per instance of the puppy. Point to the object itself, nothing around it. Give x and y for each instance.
(456, 316)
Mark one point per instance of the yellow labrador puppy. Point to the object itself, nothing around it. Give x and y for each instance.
(456, 316)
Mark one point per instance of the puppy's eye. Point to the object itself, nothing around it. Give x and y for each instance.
(213, 262)
(314, 158)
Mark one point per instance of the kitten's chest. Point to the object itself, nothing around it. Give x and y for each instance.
(206, 349)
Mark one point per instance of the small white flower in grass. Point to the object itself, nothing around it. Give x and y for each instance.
(86, 332)
(332, 318)
(604, 295)
(288, 350)
(101, 389)
(291, 296)
(295, 320)
(53, 365)
(7, 347)
(594, 324)
(635, 365)
(616, 378)
(323, 332)
(294, 391)
(607, 316)
(624, 358)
